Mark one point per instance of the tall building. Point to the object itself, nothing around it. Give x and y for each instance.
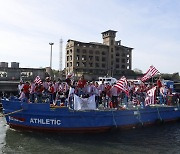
(109, 58)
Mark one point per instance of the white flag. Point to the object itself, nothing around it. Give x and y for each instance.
(150, 96)
(84, 103)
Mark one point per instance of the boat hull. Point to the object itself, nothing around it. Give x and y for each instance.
(42, 117)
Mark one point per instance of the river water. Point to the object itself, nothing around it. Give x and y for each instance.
(155, 139)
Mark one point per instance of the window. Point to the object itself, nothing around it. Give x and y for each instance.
(77, 57)
(84, 51)
(91, 64)
(3, 74)
(103, 59)
(84, 64)
(103, 65)
(77, 64)
(90, 58)
(70, 64)
(123, 54)
(97, 58)
(117, 65)
(67, 64)
(67, 58)
(128, 56)
(97, 64)
(117, 60)
(90, 52)
(103, 53)
(70, 51)
(123, 66)
(128, 67)
(97, 52)
(78, 50)
(83, 57)
(71, 57)
(67, 52)
(123, 60)
(117, 54)
(112, 42)
(26, 74)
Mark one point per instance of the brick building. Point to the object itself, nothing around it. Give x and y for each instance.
(109, 58)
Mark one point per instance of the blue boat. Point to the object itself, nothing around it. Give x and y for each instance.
(44, 117)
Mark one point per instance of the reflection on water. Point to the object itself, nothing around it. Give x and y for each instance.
(156, 139)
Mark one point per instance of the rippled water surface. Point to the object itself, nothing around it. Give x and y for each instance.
(156, 139)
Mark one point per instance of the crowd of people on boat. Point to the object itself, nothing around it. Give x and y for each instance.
(106, 95)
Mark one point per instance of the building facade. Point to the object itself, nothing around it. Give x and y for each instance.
(109, 58)
(14, 73)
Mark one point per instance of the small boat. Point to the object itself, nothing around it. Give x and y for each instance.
(44, 117)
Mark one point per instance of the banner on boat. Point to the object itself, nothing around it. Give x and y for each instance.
(84, 103)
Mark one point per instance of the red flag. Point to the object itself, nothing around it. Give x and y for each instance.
(152, 71)
(122, 85)
(37, 80)
(150, 96)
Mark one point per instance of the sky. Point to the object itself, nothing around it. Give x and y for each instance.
(151, 27)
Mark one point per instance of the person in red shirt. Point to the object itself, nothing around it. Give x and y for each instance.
(38, 91)
(51, 92)
(159, 85)
(80, 85)
(26, 89)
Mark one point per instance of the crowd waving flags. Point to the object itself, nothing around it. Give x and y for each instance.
(122, 84)
(152, 71)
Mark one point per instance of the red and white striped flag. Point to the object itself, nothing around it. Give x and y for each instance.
(152, 71)
(70, 75)
(38, 80)
(122, 84)
(150, 96)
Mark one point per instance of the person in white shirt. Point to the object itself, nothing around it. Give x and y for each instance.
(96, 92)
(32, 92)
(114, 96)
(88, 89)
(20, 87)
(102, 91)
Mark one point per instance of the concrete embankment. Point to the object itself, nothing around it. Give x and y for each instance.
(8, 87)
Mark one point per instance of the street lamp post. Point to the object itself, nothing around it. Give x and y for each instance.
(51, 44)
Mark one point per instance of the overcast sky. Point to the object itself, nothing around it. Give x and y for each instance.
(151, 27)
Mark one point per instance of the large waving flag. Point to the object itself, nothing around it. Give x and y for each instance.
(152, 71)
(122, 84)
